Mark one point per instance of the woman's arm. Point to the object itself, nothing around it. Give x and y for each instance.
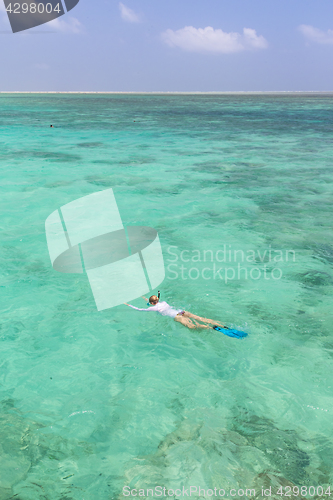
(152, 308)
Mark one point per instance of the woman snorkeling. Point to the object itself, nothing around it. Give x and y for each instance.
(184, 317)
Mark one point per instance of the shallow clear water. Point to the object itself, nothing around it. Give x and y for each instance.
(93, 401)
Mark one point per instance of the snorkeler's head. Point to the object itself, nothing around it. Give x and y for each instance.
(153, 299)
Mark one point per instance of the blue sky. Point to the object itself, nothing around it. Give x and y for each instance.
(169, 45)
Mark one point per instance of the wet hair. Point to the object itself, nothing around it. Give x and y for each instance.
(153, 298)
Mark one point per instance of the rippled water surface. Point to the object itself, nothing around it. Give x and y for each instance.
(240, 191)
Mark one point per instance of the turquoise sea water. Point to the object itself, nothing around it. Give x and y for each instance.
(95, 401)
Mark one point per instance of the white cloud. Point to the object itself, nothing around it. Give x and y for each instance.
(213, 40)
(316, 35)
(73, 25)
(128, 14)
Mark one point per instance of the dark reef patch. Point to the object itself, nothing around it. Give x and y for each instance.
(90, 144)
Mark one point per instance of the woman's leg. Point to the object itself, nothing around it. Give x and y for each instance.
(189, 322)
(187, 314)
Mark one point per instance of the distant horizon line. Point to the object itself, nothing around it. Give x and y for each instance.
(189, 92)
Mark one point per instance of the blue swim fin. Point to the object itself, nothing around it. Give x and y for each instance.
(230, 332)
